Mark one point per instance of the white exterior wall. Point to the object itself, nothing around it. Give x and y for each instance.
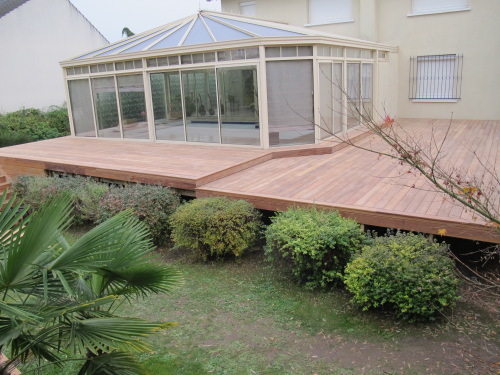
(33, 39)
(473, 33)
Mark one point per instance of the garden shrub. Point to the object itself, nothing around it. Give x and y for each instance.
(151, 204)
(85, 194)
(30, 124)
(404, 272)
(317, 243)
(216, 227)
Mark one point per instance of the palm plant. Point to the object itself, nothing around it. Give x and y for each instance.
(58, 302)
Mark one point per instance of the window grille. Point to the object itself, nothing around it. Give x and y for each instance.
(436, 77)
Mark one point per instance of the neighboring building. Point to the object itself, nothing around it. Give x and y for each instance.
(34, 36)
(448, 49)
(224, 79)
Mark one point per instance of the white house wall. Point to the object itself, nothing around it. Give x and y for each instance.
(33, 39)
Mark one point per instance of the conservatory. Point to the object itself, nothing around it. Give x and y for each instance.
(215, 78)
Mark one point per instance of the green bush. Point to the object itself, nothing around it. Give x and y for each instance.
(151, 204)
(317, 243)
(216, 227)
(404, 272)
(30, 124)
(11, 138)
(85, 194)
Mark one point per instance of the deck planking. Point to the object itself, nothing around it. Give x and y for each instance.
(373, 189)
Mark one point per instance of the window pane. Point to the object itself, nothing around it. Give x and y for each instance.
(238, 99)
(81, 108)
(167, 106)
(186, 59)
(198, 58)
(162, 61)
(151, 62)
(209, 56)
(273, 52)
(200, 106)
(104, 93)
(223, 56)
(237, 54)
(367, 90)
(290, 102)
(305, 51)
(252, 53)
(133, 106)
(173, 60)
(353, 95)
(326, 100)
(289, 51)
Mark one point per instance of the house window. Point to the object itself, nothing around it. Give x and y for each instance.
(329, 11)
(420, 7)
(248, 9)
(436, 77)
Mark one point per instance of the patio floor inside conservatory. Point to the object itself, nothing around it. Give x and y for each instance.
(373, 190)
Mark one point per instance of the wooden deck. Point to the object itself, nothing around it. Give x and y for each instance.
(374, 190)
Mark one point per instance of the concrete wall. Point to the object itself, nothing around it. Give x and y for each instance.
(473, 33)
(33, 39)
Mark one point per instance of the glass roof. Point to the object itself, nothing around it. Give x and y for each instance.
(202, 28)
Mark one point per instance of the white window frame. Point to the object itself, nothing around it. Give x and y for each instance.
(424, 7)
(319, 8)
(248, 9)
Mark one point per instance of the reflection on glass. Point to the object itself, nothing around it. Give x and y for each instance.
(353, 95)
(133, 106)
(367, 90)
(200, 106)
(290, 102)
(104, 93)
(238, 100)
(167, 106)
(81, 108)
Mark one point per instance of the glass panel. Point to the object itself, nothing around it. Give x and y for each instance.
(305, 51)
(129, 65)
(257, 29)
(338, 106)
(120, 65)
(224, 56)
(324, 51)
(367, 90)
(85, 69)
(209, 56)
(70, 71)
(102, 68)
(173, 39)
(104, 93)
(173, 60)
(138, 64)
(238, 100)
(162, 61)
(78, 69)
(222, 32)
(200, 105)
(326, 101)
(93, 69)
(366, 54)
(198, 58)
(290, 102)
(186, 59)
(133, 106)
(353, 95)
(237, 54)
(252, 53)
(123, 45)
(151, 62)
(81, 108)
(353, 52)
(145, 43)
(110, 67)
(198, 34)
(337, 52)
(273, 52)
(167, 106)
(289, 51)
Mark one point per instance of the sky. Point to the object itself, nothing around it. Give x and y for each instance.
(111, 16)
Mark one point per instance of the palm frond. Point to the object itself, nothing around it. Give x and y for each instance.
(116, 363)
(109, 334)
(11, 217)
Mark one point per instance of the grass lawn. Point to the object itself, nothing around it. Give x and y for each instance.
(248, 318)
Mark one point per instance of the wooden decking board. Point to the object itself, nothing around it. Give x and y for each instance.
(374, 190)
